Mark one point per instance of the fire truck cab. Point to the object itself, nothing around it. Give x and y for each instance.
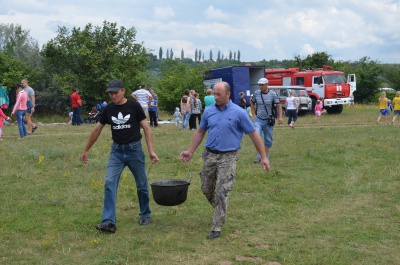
(321, 84)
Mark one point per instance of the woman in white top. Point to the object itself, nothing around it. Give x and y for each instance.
(291, 109)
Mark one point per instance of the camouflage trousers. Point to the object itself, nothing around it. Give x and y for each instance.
(217, 180)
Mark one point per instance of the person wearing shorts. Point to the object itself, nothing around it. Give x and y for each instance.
(143, 96)
(31, 127)
(396, 107)
(383, 107)
(262, 108)
(318, 110)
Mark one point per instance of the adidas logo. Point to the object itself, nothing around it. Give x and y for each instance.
(121, 120)
(119, 126)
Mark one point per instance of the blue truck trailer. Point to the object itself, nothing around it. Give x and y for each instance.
(240, 78)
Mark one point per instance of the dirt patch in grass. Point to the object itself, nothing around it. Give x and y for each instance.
(252, 259)
(262, 246)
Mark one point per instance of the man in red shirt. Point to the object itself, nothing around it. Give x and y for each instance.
(76, 107)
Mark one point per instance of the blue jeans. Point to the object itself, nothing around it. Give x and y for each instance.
(20, 115)
(185, 120)
(123, 155)
(265, 131)
(77, 116)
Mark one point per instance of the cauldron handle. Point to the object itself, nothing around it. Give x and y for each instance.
(148, 171)
(190, 172)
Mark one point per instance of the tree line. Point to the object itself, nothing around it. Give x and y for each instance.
(88, 57)
(199, 56)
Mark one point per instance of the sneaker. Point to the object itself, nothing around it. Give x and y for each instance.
(144, 221)
(214, 234)
(34, 129)
(107, 226)
(257, 160)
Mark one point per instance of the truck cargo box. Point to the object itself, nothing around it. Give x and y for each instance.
(240, 78)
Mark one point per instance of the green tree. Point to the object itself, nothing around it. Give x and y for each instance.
(171, 54)
(211, 55)
(196, 55)
(298, 61)
(90, 57)
(199, 55)
(230, 55)
(315, 60)
(182, 55)
(17, 43)
(368, 78)
(11, 71)
(160, 53)
(391, 75)
(175, 78)
(219, 56)
(238, 55)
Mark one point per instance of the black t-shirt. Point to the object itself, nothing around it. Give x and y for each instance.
(124, 120)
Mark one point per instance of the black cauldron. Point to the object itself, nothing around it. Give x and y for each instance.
(170, 192)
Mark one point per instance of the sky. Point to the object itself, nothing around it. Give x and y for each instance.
(347, 30)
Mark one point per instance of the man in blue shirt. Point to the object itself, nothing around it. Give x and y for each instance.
(225, 122)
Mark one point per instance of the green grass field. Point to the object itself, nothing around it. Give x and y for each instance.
(331, 197)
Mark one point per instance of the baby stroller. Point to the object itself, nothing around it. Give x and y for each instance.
(94, 115)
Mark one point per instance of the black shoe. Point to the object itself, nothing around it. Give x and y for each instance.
(144, 221)
(214, 234)
(34, 129)
(107, 226)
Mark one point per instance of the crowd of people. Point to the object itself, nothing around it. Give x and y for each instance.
(23, 109)
(220, 117)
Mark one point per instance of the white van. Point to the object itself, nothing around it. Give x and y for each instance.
(303, 100)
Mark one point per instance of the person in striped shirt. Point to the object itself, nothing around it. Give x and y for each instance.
(143, 96)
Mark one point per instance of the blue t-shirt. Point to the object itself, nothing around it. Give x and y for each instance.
(153, 102)
(225, 127)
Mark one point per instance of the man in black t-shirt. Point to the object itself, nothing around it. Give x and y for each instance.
(125, 118)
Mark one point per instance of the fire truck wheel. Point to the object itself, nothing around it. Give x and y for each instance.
(337, 109)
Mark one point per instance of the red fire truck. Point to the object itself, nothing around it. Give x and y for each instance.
(321, 84)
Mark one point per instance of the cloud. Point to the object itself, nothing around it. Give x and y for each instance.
(264, 30)
(307, 49)
(255, 43)
(213, 13)
(163, 12)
